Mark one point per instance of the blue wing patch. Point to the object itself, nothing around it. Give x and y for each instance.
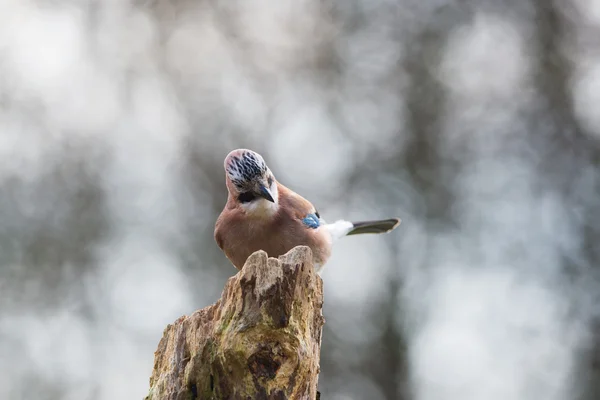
(312, 221)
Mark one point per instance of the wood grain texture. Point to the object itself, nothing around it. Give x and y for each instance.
(260, 340)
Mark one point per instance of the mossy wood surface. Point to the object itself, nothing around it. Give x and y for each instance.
(260, 340)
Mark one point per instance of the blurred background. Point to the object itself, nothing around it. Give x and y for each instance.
(477, 122)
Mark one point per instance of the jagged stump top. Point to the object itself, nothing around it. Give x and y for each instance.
(260, 340)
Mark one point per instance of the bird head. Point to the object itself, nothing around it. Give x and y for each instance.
(250, 182)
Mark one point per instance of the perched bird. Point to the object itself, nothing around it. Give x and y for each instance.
(262, 214)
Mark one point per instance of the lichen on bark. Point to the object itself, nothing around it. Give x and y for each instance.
(260, 340)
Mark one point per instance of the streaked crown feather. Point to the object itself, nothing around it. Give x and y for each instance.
(243, 166)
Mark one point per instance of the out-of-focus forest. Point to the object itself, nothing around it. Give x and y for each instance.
(477, 122)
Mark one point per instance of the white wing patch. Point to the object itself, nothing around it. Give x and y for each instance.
(339, 229)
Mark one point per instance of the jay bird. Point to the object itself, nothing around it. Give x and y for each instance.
(262, 214)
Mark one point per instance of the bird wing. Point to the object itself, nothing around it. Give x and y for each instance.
(294, 204)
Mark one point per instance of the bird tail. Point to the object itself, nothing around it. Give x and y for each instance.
(379, 226)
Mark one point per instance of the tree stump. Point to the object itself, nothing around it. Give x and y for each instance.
(260, 340)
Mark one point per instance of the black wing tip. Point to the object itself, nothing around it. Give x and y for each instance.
(377, 226)
(395, 222)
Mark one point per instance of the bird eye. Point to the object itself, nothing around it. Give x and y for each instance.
(317, 214)
(246, 197)
(270, 181)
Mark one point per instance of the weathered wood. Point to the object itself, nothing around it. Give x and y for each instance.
(261, 340)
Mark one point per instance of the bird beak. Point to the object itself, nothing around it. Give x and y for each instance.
(265, 194)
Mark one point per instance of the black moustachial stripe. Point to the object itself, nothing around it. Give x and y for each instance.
(246, 197)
